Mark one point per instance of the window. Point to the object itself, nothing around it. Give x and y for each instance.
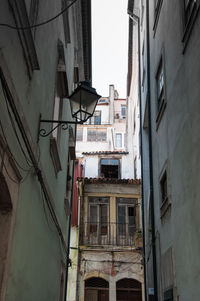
(103, 100)
(60, 93)
(96, 289)
(57, 115)
(157, 9)
(21, 19)
(79, 135)
(110, 168)
(66, 23)
(163, 187)
(128, 289)
(160, 84)
(134, 121)
(33, 13)
(167, 275)
(98, 218)
(123, 111)
(160, 89)
(126, 218)
(168, 295)
(97, 135)
(96, 118)
(190, 11)
(142, 12)
(143, 66)
(118, 140)
(135, 168)
(189, 6)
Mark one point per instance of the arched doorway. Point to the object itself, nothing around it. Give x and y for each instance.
(129, 290)
(96, 289)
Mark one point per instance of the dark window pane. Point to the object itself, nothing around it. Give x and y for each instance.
(121, 220)
(93, 213)
(123, 111)
(101, 135)
(79, 135)
(103, 219)
(163, 187)
(168, 295)
(91, 135)
(93, 219)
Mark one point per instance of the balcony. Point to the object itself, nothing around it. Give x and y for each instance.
(115, 234)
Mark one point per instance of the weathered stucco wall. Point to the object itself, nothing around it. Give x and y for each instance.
(110, 266)
(36, 259)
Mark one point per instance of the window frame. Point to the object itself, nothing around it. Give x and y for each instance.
(161, 99)
(188, 21)
(116, 140)
(119, 166)
(124, 202)
(165, 203)
(94, 118)
(21, 19)
(168, 294)
(61, 92)
(80, 130)
(98, 203)
(96, 130)
(123, 107)
(157, 10)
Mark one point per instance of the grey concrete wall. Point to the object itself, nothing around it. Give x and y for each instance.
(176, 147)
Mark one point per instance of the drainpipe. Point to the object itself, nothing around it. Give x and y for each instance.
(151, 156)
(69, 228)
(136, 18)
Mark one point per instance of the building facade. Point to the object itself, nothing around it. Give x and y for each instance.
(108, 135)
(39, 65)
(170, 70)
(110, 240)
(107, 255)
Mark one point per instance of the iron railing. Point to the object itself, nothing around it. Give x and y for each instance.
(117, 234)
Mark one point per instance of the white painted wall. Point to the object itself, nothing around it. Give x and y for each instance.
(113, 126)
(91, 167)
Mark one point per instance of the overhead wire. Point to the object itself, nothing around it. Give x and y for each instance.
(34, 162)
(11, 155)
(41, 23)
(13, 126)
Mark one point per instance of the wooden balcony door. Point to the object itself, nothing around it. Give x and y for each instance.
(98, 221)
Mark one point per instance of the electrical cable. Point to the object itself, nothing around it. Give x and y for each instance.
(34, 163)
(13, 126)
(45, 213)
(41, 23)
(11, 155)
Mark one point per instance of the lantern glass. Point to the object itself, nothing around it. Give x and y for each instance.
(83, 102)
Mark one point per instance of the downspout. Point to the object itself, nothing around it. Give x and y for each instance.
(69, 227)
(137, 18)
(151, 156)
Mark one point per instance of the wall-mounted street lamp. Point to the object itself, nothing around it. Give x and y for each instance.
(83, 102)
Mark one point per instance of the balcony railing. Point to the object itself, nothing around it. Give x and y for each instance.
(108, 234)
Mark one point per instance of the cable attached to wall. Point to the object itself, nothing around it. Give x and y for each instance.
(41, 23)
(34, 161)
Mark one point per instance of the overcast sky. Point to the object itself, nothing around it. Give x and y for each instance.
(110, 45)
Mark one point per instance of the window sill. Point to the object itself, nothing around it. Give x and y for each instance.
(160, 113)
(189, 26)
(55, 155)
(165, 206)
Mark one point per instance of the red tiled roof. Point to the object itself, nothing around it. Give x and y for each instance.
(120, 99)
(106, 153)
(109, 181)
